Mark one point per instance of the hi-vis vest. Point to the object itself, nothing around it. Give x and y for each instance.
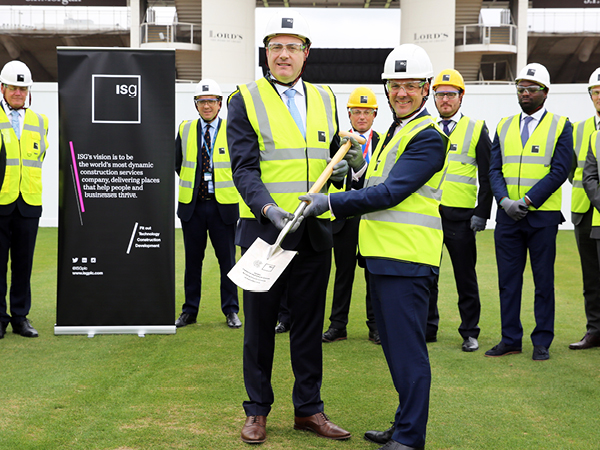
(580, 203)
(522, 167)
(594, 144)
(411, 231)
(24, 158)
(225, 191)
(289, 164)
(460, 184)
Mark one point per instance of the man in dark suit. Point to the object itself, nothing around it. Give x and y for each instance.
(464, 208)
(281, 133)
(208, 202)
(362, 110)
(530, 160)
(400, 237)
(24, 148)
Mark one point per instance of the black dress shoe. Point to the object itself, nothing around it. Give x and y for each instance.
(380, 437)
(588, 341)
(233, 321)
(25, 329)
(335, 334)
(393, 445)
(374, 336)
(502, 349)
(540, 353)
(3, 329)
(282, 327)
(185, 319)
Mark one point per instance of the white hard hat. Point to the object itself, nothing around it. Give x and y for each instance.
(407, 61)
(208, 87)
(16, 73)
(534, 72)
(287, 22)
(594, 78)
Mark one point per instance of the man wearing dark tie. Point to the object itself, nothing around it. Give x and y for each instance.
(464, 209)
(208, 202)
(24, 140)
(281, 132)
(531, 158)
(582, 212)
(362, 110)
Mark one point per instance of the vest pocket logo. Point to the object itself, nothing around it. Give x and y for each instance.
(535, 149)
(221, 150)
(322, 137)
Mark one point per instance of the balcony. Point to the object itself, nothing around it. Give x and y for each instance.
(479, 38)
(177, 35)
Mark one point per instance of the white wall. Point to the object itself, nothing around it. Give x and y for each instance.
(483, 102)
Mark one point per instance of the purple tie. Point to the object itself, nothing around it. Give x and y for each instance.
(445, 125)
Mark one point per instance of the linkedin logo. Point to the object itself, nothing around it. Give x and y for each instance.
(116, 99)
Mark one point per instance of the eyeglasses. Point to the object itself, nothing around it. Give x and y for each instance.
(594, 92)
(361, 112)
(23, 89)
(450, 95)
(529, 89)
(292, 49)
(207, 101)
(410, 87)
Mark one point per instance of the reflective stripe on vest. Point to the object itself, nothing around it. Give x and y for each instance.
(460, 184)
(410, 231)
(24, 158)
(289, 164)
(225, 191)
(580, 203)
(522, 167)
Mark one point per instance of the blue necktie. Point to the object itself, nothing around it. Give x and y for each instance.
(445, 125)
(291, 104)
(525, 130)
(14, 121)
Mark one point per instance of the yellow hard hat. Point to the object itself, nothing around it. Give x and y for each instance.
(362, 97)
(449, 77)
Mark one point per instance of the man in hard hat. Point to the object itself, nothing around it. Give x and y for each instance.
(530, 160)
(464, 209)
(362, 110)
(24, 138)
(281, 132)
(400, 236)
(208, 202)
(581, 216)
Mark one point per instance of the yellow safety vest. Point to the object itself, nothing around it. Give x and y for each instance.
(460, 184)
(24, 158)
(522, 167)
(594, 144)
(225, 191)
(580, 203)
(410, 231)
(289, 164)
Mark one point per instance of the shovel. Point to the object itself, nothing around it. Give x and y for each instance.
(262, 264)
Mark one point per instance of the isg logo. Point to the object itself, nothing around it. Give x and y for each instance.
(116, 99)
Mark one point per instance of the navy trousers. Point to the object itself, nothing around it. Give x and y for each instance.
(400, 306)
(512, 242)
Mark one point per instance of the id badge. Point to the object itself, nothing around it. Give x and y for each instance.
(208, 179)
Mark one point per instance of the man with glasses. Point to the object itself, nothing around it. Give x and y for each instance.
(581, 215)
(362, 110)
(281, 133)
(400, 236)
(208, 202)
(531, 158)
(24, 140)
(464, 208)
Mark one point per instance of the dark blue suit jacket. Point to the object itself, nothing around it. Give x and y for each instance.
(538, 194)
(423, 157)
(245, 163)
(229, 212)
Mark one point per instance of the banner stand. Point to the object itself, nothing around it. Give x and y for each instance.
(124, 329)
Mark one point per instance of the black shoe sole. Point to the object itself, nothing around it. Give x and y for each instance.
(335, 340)
(504, 354)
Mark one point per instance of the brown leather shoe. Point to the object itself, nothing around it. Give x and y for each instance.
(588, 341)
(254, 430)
(320, 424)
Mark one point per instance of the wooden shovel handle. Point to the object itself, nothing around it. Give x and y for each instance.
(339, 155)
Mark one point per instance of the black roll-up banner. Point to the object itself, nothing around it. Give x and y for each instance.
(116, 246)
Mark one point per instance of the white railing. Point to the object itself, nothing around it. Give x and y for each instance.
(576, 20)
(64, 18)
(176, 32)
(485, 34)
